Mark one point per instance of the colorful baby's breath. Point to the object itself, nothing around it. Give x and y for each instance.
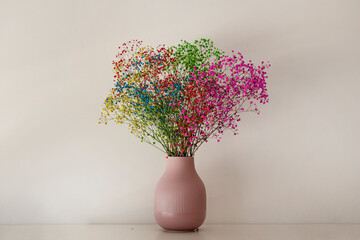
(177, 98)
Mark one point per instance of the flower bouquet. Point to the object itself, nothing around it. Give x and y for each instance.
(176, 98)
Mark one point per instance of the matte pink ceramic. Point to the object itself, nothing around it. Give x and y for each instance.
(180, 196)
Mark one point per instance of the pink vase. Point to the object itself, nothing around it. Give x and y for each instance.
(180, 196)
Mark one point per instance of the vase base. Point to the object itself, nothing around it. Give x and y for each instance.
(179, 231)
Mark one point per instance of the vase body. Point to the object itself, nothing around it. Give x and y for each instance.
(180, 196)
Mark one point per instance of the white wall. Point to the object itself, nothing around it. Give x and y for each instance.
(298, 161)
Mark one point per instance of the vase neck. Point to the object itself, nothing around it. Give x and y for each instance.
(180, 164)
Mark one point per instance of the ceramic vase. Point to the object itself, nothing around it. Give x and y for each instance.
(180, 196)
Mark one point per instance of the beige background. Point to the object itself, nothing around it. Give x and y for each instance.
(299, 161)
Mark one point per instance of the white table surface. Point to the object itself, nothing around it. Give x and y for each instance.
(207, 231)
